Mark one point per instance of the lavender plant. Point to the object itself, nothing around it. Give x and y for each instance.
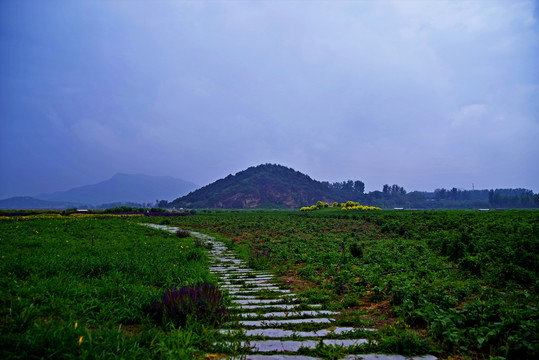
(202, 302)
(181, 233)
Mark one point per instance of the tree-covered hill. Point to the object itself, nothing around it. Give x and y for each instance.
(263, 186)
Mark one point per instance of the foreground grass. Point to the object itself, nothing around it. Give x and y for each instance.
(83, 287)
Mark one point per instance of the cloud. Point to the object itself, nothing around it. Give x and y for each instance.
(469, 115)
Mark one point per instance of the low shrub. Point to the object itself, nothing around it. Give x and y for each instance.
(202, 302)
(181, 233)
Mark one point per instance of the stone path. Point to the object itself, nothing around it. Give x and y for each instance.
(267, 314)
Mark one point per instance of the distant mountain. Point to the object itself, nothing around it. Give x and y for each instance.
(27, 202)
(124, 188)
(263, 186)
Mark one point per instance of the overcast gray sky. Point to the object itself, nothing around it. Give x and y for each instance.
(424, 94)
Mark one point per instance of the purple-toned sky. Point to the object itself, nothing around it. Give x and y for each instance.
(424, 94)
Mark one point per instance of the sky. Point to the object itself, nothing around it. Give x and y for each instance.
(424, 94)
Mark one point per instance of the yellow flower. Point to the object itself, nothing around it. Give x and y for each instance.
(80, 340)
(76, 325)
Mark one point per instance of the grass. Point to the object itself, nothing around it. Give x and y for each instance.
(83, 287)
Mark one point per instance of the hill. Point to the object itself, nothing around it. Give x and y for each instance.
(124, 188)
(263, 186)
(27, 202)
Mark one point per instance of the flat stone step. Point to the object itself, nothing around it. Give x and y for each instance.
(277, 306)
(280, 333)
(290, 313)
(267, 323)
(244, 281)
(240, 291)
(244, 297)
(243, 276)
(257, 301)
(263, 286)
(293, 346)
(275, 357)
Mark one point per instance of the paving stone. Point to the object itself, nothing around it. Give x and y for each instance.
(384, 357)
(264, 323)
(262, 275)
(232, 277)
(257, 301)
(280, 333)
(291, 313)
(254, 289)
(237, 291)
(265, 346)
(275, 357)
(277, 306)
(293, 346)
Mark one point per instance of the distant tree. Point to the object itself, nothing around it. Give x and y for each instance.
(348, 186)
(162, 204)
(396, 190)
(359, 186)
(491, 197)
(440, 194)
(386, 189)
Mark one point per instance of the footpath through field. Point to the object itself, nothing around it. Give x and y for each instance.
(274, 321)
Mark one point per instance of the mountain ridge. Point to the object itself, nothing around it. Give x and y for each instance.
(28, 202)
(138, 188)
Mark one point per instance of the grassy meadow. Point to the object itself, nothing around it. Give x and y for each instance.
(456, 284)
(82, 286)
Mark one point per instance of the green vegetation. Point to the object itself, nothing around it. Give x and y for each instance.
(462, 282)
(451, 283)
(82, 286)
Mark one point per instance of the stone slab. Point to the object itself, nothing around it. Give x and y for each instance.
(265, 323)
(291, 313)
(275, 357)
(278, 306)
(280, 333)
(385, 357)
(257, 301)
(293, 346)
(258, 290)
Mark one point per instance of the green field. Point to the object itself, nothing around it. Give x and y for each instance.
(447, 282)
(83, 287)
